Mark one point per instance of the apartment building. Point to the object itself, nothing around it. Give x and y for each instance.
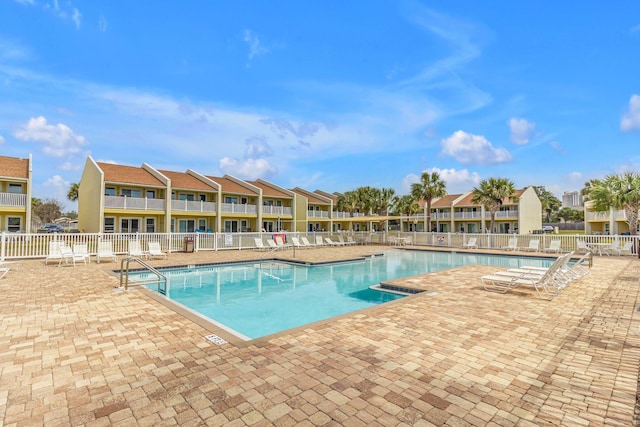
(15, 194)
(613, 221)
(457, 213)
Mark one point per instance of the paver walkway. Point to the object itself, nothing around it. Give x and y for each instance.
(74, 351)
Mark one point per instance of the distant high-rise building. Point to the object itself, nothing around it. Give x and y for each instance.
(573, 200)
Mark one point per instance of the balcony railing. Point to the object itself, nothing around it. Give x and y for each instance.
(239, 208)
(505, 215)
(277, 210)
(13, 200)
(338, 215)
(193, 206)
(467, 215)
(618, 215)
(134, 203)
(317, 214)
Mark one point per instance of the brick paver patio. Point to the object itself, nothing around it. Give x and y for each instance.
(77, 351)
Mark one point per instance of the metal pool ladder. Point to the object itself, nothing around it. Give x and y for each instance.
(124, 274)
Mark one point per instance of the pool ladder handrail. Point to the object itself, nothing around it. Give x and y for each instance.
(162, 279)
(267, 253)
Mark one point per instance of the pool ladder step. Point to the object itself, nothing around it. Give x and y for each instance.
(124, 275)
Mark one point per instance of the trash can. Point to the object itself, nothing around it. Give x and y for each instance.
(188, 244)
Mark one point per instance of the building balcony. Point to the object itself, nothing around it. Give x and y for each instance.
(277, 210)
(193, 206)
(342, 215)
(317, 214)
(134, 203)
(467, 215)
(239, 208)
(13, 200)
(618, 215)
(505, 215)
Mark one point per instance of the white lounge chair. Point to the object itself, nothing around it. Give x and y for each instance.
(546, 284)
(259, 244)
(156, 251)
(105, 251)
(534, 246)
(81, 249)
(619, 250)
(512, 245)
(296, 243)
(67, 255)
(306, 242)
(54, 251)
(554, 246)
(272, 244)
(136, 250)
(319, 241)
(471, 243)
(330, 242)
(582, 247)
(612, 249)
(280, 243)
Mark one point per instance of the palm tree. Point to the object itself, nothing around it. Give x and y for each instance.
(405, 205)
(492, 193)
(430, 187)
(348, 202)
(73, 192)
(618, 192)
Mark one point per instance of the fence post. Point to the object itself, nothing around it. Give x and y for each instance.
(197, 243)
(3, 243)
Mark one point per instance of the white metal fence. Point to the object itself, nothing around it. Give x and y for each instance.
(34, 245)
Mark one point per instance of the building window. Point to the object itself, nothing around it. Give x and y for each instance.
(202, 225)
(231, 226)
(129, 225)
(151, 194)
(14, 224)
(128, 192)
(228, 199)
(186, 225)
(188, 197)
(244, 224)
(173, 225)
(109, 225)
(15, 188)
(150, 225)
(203, 197)
(109, 191)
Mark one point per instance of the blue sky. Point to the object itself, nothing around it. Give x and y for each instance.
(328, 95)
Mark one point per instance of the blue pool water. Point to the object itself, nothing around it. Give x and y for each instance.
(254, 300)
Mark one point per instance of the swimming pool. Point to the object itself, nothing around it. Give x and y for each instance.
(254, 299)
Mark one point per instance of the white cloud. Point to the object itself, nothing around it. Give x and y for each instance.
(250, 169)
(1, 139)
(69, 166)
(76, 17)
(57, 140)
(458, 181)
(57, 188)
(473, 149)
(575, 176)
(102, 24)
(255, 47)
(521, 131)
(557, 147)
(631, 118)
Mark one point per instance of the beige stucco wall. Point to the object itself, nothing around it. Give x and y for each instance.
(530, 212)
(90, 198)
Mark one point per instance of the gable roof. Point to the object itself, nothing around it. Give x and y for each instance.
(184, 181)
(13, 167)
(442, 202)
(230, 186)
(128, 175)
(269, 190)
(312, 197)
